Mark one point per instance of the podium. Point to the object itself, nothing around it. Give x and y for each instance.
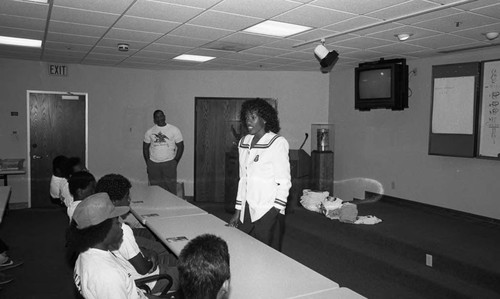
(300, 167)
(322, 171)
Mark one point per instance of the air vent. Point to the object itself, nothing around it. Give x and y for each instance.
(227, 46)
(468, 49)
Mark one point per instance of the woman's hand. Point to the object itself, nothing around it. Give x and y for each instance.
(234, 220)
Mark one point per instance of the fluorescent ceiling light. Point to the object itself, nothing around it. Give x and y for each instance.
(197, 58)
(23, 42)
(36, 1)
(274, 28)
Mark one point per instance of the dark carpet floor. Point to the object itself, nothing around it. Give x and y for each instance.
(386, 260)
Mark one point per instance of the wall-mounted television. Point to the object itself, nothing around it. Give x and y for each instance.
(381, 84)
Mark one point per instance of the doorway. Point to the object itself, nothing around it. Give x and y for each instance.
(57, 125)
(217, 132)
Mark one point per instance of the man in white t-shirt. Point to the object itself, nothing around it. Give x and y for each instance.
(162, 149)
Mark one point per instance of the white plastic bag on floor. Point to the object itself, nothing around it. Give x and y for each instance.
(312, 200)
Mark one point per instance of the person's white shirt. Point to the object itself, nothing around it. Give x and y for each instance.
(101, 274)
(56, 186)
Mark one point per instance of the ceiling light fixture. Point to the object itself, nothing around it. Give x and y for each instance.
(23, 42)
(326, 58)
(403, 36)
(491, 35)
(279, 29)
(37, 1)
(196, 58)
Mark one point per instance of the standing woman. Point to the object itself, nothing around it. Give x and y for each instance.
(264, 174)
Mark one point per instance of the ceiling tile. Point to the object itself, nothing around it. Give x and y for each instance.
(147, 25)
(181, 41)
(440, 41)
(356, 7)
(22, 33)
(77, 29)
(70, 15)
(457, 22)
(71, 38)
(24, 9)
(115, 6)
(200, 32)
(402, 9)
(313, 16)
(226, 21)
(163, 11)
(265, 51)
(132, 35)
(193, 3)
(256, 8)
(166, 48)
(363, 43)
(22, 22)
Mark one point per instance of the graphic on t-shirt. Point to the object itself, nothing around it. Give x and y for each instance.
(160, 137)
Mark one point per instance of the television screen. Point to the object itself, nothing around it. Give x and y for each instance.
(381, 84)
(375, 84)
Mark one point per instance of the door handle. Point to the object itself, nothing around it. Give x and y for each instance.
(36, 157)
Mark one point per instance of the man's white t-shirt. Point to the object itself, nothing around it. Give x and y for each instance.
(101, 274)
(162, 142)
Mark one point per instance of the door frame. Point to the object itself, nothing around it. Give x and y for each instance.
(28, 137)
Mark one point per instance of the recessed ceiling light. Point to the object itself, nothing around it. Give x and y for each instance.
(197, 58)
(23, 42)
(403, 36)
(274, 28)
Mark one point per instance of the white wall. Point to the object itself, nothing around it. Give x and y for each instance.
(391, 147)
(121, 102)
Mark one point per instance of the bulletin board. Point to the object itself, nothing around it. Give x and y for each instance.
(454, 109)
(489, 117)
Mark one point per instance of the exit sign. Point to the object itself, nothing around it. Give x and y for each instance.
(58, 70)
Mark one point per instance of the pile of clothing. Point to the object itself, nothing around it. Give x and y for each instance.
(334, 207)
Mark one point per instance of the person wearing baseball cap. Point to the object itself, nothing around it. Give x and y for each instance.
(94, 233)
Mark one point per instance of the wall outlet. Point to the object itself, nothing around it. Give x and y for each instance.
(428, 260)
(393, 185)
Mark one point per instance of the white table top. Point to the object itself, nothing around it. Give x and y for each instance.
(340, 293)
(257, 270)
(154, 202)
(4, 199)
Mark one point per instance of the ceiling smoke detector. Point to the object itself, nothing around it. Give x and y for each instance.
(123, 47)
(403, 36)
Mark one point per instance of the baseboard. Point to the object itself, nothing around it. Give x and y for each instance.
(372, 197)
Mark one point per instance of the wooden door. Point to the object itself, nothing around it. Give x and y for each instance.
(57, 127)
(217, 132)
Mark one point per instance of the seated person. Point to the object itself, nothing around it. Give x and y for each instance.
(204, 271)
(81, 185)
(74, 165)
(58, 178)
(95, 232)
(143, 261)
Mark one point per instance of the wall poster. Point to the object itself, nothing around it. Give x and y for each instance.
(489, 118)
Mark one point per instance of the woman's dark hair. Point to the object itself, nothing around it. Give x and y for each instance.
(79, 180)
(116, 185)
(79, 240)
(59, 165)
(72, 162)
(264, 110)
